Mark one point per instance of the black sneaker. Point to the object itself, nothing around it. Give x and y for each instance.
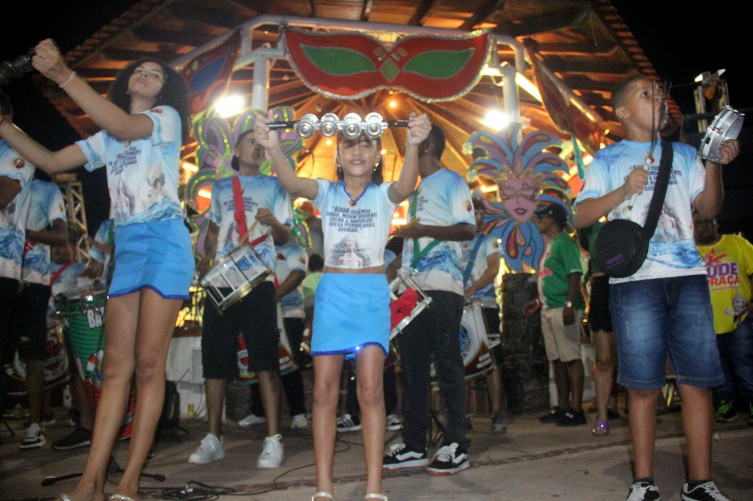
(448, 460)
(402, 457)
(643, 491)
(726, 412)
(79, 438)
(554, 415)
(702, 492)
(572, 418)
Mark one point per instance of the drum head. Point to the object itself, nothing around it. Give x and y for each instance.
(726, 125)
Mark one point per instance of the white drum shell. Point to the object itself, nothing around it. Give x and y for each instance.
(233, 276)
(726, 125)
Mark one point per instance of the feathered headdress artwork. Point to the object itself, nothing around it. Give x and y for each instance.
(527, 178)
(216, 137)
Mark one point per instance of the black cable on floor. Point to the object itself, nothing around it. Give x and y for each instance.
(195, 491)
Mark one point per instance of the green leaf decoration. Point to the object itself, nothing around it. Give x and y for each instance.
(439, 63)
(338, 61)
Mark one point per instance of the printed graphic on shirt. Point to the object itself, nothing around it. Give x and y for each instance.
(46, 207)
(729, 266)
(13, 216)
(672, 251)
(256, 192)
(142, 174)
(354, 235)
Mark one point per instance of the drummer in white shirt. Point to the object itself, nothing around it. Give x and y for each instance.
(265, 220)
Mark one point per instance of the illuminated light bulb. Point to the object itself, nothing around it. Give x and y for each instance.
(229, 105)
(496, 119)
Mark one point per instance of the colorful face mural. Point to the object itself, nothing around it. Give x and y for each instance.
(527, 177)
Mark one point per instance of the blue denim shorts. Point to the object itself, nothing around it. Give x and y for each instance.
(665, 318)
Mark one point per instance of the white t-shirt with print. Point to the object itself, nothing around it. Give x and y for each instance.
(257, 192)
(13, 216)
(672, 250)
(291, 257)
(142, 174)
(355, 234)
(46, 206)
(485, 246)
(443, 199)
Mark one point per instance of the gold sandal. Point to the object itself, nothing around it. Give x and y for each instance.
(322, 494)
(374, 495)
(121, 497)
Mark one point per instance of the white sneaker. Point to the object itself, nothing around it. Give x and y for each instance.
(33, 438)
(272, 455)
(211, 449)
(299, 422)
(251, 420)
(346, 422)
(393, 422)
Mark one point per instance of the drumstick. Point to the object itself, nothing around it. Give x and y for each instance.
(654, 137)
(250, 229)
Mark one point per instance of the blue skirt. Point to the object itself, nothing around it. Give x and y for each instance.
(157, 255)
(351, 311)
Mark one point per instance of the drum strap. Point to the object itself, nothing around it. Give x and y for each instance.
(418, 254)
(240, 211)
(240, 216)
(54, 277)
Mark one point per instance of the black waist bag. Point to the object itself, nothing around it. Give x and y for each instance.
(621, 246)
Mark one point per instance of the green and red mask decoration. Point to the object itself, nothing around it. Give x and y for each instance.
(353, 65)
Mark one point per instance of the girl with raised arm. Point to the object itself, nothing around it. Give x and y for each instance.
(144, 122)
(351, 312)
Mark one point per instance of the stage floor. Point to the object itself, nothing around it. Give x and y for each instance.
(532, 461)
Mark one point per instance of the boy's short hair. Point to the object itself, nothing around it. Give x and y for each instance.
(619, 93)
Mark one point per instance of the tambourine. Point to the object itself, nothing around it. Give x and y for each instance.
(351, 125)
(726, 125)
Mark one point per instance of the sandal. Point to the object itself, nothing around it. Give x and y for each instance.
(121, 497)
(601, 429)
(64, 496)
(322, 494)
(373, 495)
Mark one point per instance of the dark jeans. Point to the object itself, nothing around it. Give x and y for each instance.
(736, 355)
(436, 331)
(8, 297)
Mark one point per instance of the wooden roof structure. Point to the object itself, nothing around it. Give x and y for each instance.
(583, 43)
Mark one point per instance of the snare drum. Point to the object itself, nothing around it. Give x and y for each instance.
(82, 314)
(233, 276)
(474, 343)
(726, 125)
(408, 300)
